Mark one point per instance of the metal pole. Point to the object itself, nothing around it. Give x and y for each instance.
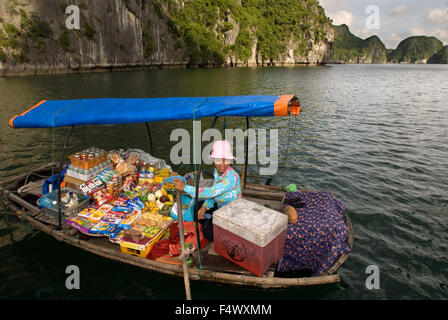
(59, 178)
(246, 153)
(184, 255)
(214, 121)
(150, 139)
(198, 175)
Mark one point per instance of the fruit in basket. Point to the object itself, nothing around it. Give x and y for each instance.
(169, 186)
(159, 204)
(152, 197)
(166, 208)
(164, 199)
(158, 194)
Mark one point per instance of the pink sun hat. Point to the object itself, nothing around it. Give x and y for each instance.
(222, 150)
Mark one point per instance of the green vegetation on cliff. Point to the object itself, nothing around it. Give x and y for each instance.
(440, 57)
(203, 25)
(196, 32)
(415, 49)
(16, 39)
(348, 48)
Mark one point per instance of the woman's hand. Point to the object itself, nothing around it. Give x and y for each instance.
(201, 213)
(179, 184)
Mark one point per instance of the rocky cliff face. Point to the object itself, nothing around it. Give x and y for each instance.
(159, 33)
(112, 34)
(416, 49)
(349, 48)
(441, 57)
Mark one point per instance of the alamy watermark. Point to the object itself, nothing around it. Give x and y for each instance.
(373, 18)
(373, 280)
(262, 146)
(73, 20)
(73, 280)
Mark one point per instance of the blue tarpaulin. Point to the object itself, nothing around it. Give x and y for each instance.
(61, 113)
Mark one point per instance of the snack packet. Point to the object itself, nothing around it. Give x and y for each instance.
(106, 229)
(126, 223)
(111, 218)
(81, 224)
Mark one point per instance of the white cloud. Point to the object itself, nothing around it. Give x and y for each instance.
(392, 41)
(342, 17)
(334, 5)
(438, 16)
(414, 31)
(440, 34)
(400, 9)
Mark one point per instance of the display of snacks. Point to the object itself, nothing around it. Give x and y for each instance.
(131, 207)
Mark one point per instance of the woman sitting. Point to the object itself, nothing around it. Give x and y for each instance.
(226, 186)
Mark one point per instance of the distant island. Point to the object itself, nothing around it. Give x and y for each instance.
(348, 48)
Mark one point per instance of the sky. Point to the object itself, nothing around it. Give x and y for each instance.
(391, 20)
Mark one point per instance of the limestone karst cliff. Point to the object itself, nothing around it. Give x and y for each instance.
(169, 33)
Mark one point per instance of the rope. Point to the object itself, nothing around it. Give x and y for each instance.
(289, 138)
(5, 216)
(25, 222)
(224, 127)
(52, 154)
(33, 173)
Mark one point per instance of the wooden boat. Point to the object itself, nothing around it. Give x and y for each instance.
(20, 194)
(214, 267)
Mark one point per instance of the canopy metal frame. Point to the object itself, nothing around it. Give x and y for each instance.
(197, 173)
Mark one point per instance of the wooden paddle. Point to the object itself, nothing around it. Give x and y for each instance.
(185, 253)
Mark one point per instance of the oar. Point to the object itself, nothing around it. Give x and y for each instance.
(184, 255)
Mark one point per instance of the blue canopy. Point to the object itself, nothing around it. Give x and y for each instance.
(61, 113)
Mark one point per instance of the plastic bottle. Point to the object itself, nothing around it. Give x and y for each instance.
(73, 200)
(151, 174)
(143, 174)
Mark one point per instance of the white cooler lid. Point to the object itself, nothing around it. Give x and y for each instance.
(251, 221)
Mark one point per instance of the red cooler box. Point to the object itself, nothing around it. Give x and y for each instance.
(249, 235)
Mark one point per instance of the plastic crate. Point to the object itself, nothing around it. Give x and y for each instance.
(141, 248)
(88, 164)
(52, 212)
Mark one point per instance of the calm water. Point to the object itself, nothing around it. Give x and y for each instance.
(374, 135)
